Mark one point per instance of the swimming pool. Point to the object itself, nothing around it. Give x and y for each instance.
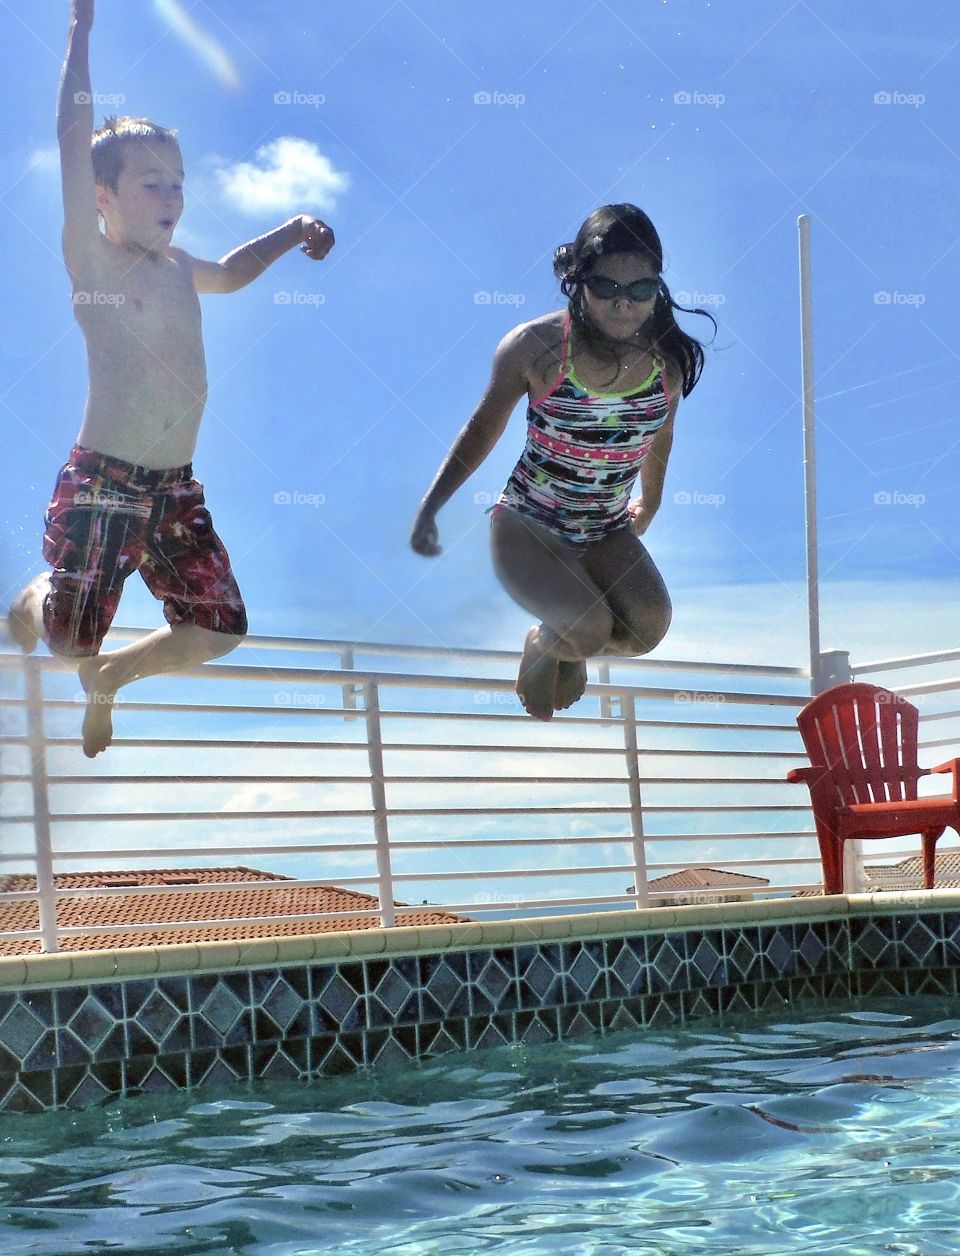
(835, 1130)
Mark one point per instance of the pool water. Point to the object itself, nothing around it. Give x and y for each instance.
(833, 1131)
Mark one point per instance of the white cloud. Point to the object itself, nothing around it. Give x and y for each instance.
(288, 175)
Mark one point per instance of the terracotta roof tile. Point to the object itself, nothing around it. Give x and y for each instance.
(710, 878)
(228, 907)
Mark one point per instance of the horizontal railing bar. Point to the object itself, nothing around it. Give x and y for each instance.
(311, 645)
(195, 743)
(201, 851)
(906, 660)
(455, 747)
(179, 925)
(173, 779)
(401, 845)
(105, 817)
(308, 779)
(226, 708)
(324, 676)
(930, 686)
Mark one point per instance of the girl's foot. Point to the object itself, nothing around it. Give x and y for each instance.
(25, 617)
(537, 678)
(571, 682)
(97, 719)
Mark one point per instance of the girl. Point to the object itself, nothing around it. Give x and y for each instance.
(603, 378)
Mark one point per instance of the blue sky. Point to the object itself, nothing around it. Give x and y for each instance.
(340, 385)
(435, 198)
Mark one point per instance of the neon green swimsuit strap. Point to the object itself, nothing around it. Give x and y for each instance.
(658, 365)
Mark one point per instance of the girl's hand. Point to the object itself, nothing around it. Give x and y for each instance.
(318, 239)
(425, 539)
(640, 518)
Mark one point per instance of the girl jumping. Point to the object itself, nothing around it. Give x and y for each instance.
(604, 378)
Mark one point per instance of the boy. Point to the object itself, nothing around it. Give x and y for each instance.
(126, 499)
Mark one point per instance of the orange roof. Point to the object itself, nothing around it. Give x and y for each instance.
(233, 906)
(908, 873)
(710, 878)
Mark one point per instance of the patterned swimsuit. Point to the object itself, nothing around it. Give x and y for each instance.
(583, 453)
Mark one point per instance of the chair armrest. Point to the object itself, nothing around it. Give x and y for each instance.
(804, 776)
(953, 766)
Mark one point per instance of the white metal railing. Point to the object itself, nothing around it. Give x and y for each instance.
(604, 730)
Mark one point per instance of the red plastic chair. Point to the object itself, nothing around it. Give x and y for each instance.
(862, 744)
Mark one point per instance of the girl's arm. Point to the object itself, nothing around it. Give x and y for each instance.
(508, 383)
(654, 467)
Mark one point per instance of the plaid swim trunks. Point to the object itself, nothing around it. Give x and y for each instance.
(107, 519)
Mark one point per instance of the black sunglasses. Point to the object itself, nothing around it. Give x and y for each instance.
(605, 288)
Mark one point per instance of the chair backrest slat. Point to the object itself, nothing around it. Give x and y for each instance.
(866, 739)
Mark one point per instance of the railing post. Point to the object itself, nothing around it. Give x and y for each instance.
(607, 707)
(350, 691)
(629, 712)
(37, 749)
(834, 669)
(379, 795)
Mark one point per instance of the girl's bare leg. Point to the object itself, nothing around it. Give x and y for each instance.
(633, 591)
(166, 650)
(543, 574)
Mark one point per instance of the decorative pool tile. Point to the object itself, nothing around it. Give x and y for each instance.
(80, 1044)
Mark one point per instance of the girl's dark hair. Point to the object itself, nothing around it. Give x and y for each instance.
(626, 229)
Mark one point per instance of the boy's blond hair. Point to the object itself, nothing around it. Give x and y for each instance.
(109, 141)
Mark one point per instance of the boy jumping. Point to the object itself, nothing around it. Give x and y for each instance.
(126, 499)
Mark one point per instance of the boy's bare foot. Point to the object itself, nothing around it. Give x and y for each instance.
(571, 682)
(25, 617)
(537, 678)
(97, 721)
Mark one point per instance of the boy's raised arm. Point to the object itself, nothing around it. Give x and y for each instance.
(81, 230)
(250, 260)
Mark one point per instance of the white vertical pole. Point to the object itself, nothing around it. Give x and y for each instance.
(809, 454)
(378, 791)
(628, 708)
(37, 746)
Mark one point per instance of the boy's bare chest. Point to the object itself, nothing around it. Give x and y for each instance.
(151, 300)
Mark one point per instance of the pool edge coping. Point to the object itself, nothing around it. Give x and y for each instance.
(22, 971)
